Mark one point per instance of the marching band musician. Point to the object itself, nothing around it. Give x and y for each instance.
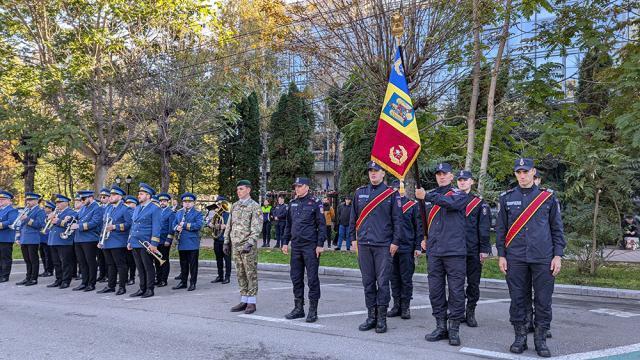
(44, 250)
(147, 223)
(87, 234)
(8, 215)
(105, 196)
(118, 215)
(166, 237)
(131, 202)
(188, 222)
(28, 237)
(62, 249)
(223, 261)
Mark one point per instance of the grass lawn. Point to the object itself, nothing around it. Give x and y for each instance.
(613, 275)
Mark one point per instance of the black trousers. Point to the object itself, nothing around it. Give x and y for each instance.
(6, 259)
(443, 271)
(63, 262)
(403, 267)
(86, 255)
(520, 277)
(303, 257)
(74, 262)
(45, 256)
(329, 237)
(474, 272)
(102, 264)
(30, 256)
(116, 266)
(375, 267)
(280, 225)
(162, 271)
(223, 261)
(189, 265)
(266, 232)
(131, 264)
(146, 270)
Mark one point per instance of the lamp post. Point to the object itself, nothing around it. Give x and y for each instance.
(118, 180)
(128, 180)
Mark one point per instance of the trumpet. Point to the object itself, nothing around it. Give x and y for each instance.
(156, 254)
(49, 224)
(68, 231)
(105, 231)
(17, 222)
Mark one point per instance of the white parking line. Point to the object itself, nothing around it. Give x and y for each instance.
(612, 312)
(597, 354)
(279, 320)
(291, 287)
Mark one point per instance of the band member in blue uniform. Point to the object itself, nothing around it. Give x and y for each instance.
(117, 219)
(132, 203)
(8, 215)
(105, 196)
(87, 234)
(446, 247)
(187, 223)
(306, 230)
(62, 249)
(376, 225)
(530, 243)
(44, 250)
(166, 238)
(28, 237)
(147, 224)
(404, 263)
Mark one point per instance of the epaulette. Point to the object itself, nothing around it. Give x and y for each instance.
(507, 192)
(476, 195)
(546, 189)
(361, 187)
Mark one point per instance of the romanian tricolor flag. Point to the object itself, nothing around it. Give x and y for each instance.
(397, 142)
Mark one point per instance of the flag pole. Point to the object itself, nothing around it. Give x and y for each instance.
(397, 28)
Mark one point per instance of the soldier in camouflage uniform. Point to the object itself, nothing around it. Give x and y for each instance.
(240, 238)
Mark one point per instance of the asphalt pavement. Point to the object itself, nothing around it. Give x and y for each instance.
(41, 323)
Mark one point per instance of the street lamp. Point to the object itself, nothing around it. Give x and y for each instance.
(128, 180)
(118, 180)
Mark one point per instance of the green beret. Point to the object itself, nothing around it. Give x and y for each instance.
(244, 183)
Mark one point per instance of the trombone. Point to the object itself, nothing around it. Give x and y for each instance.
(68, 231)
(156, 254)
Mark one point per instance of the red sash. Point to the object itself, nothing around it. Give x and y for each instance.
(372, 205)
(408, 206)
(525, 216)
(472, 205)
(434, 210)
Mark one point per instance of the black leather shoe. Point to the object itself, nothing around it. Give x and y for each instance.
(4, 279)
(370, 322)
(46, 274)
(89, 288)
(64, 285)
(137, 293)
(177, 277)
(155, 283)
(31, 283)
(121, 291)
(181, 285)
(131, 282)
(239, 307)
(106, 290)
(191, 287)
(55, 284)
(217, 280)
(162, 284)
(79, 287)
(441, 331)
(102, 279)
(226, 280)
(22, 282)
(147, 294)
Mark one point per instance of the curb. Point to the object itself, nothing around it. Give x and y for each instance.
(498, 284)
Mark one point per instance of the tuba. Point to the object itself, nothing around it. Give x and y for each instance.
(219, 207)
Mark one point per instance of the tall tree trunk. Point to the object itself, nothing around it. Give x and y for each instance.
(491, 98)
(29, 161)
(264, 164)
(473, 105)
(100, 172)
(594, 234)
(165, 170)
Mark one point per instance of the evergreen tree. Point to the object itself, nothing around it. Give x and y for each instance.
(290, 132)
(240, 149)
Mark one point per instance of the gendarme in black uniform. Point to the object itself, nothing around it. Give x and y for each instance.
(529, 256)
(306, 230)
(377, 231)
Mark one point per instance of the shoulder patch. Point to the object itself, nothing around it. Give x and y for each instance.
(547, 189)
(507, 192)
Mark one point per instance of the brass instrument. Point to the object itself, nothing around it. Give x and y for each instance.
(217, 220)
(105, 231)
(49, 224)
(68, 231)
(156, 254)
(17, 222)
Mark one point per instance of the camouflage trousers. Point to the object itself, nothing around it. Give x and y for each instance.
(246, 270)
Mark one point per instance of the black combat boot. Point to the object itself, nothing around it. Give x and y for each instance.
(381, 320)
(370, 322)
(440, 332)
(470, 316)
(454, 332)
(520, 343)
(312, 316)
(405, 307)
(395, 310)
(298, 310)
(540, 342)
